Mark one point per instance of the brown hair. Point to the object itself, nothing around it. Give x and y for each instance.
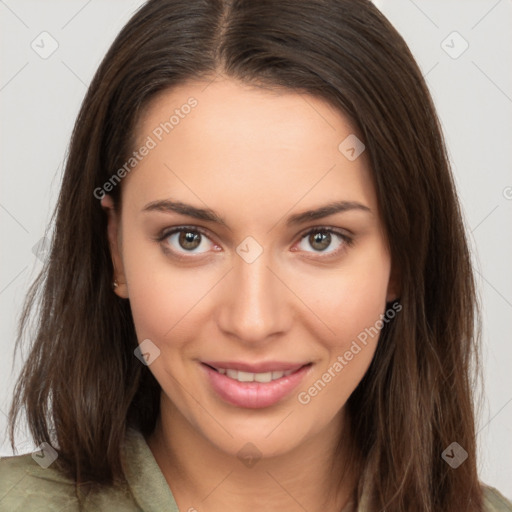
(81, 385)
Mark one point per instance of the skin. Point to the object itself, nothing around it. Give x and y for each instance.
(255, 157)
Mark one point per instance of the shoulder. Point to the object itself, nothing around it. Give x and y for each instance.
(26, 485)
(494, 501)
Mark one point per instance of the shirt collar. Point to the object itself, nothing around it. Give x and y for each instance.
(147, 482)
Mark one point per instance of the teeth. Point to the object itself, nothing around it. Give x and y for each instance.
(263, 377)
(241, 376)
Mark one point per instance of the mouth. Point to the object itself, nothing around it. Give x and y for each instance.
(266, 385)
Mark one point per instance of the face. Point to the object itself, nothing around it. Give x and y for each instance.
(254, 309)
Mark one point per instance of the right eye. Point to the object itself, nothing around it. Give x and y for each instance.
(185, 240)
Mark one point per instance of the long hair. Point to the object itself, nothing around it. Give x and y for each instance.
(81, 385)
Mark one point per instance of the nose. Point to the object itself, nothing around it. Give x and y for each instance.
(254, 306)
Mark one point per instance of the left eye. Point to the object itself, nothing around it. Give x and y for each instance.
(321, 238)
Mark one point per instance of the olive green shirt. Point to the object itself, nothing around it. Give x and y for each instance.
(26, 486)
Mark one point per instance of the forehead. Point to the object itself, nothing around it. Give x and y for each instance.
(226, 141)
(228, 110)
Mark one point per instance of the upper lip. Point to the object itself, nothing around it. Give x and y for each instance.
(263, 367)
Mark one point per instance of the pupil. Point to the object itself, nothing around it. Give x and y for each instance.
(321, 238)
(189, 240)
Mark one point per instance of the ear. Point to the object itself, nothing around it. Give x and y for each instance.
(394, 288)
(115, 243)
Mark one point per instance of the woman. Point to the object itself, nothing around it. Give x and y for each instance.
(259, 293)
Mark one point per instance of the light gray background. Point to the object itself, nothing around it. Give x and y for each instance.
(40, 99)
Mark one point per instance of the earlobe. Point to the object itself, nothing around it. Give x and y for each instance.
(392, 295)
(118, 284)
(393, 292)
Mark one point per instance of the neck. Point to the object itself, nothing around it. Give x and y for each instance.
(203, 477)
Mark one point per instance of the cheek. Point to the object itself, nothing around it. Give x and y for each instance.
(163, 297)
(349, 299)
(166, 306)
(351, 303)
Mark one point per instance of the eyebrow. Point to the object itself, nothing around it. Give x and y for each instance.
(206, 214)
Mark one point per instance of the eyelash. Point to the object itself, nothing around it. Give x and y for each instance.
(347, 241)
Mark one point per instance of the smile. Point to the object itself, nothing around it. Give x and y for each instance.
(254, 389)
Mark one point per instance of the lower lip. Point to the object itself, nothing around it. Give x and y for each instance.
(254, 395)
